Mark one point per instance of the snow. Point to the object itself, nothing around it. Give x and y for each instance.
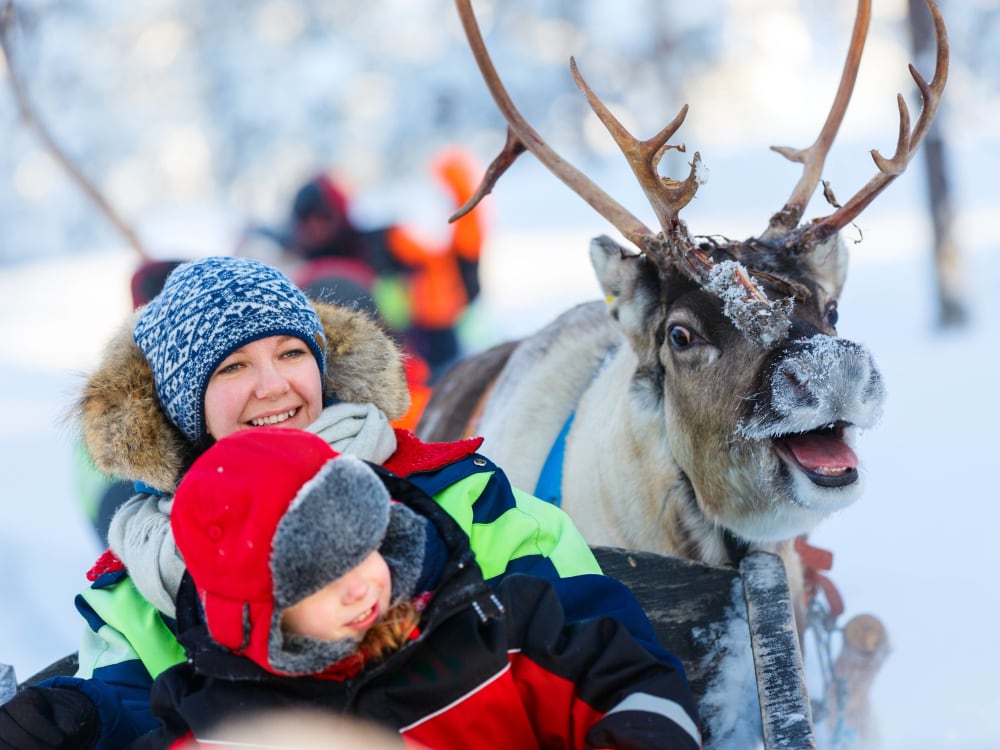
(733, 688)
(766, 322)
(920, 548)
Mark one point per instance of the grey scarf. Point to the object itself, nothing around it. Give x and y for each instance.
(140, 532)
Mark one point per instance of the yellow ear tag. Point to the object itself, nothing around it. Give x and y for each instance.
(610, 299)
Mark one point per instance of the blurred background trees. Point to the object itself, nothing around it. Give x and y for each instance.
(195, 118)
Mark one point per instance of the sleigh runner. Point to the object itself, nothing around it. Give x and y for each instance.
(734, 630)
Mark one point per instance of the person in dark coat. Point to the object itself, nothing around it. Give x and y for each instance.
(315, 580)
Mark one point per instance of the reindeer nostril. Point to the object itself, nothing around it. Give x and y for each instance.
(796, 383)
(793, 387)
(793, 380)
(874, 390)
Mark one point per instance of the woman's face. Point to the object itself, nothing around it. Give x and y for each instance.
(274, 381)
(345, 608)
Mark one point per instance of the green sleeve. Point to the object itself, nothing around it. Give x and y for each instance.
(509, 526)
(124, 627)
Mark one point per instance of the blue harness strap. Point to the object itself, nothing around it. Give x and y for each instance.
(549, 485)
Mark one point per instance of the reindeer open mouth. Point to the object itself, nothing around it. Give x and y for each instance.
(819, 394)
(822, 455)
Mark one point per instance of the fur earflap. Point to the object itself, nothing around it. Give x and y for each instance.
(129, 436)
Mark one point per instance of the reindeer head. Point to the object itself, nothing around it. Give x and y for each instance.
(735, 342)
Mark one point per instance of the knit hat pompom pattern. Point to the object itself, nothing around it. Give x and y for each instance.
(269, 516)
(208, 309)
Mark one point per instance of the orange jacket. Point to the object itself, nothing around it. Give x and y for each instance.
(436, 290)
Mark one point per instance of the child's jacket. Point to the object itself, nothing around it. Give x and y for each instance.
(490, 668)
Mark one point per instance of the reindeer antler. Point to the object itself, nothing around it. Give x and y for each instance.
(814, 157)
(670, 247)
(34, 122)
(908, 142)
(521, 136)
(666, 196)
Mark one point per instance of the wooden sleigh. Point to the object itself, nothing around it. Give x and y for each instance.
(733, 629)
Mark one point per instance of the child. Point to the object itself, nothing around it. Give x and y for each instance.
(330, 595)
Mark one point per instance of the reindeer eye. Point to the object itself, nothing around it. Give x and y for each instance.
(832, 316)
(680, 337)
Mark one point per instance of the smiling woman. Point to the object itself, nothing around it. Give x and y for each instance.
(271, 381)
(231, 347)
(237, 328)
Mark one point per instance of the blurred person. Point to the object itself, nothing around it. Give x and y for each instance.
(304, 729)
(421, 287)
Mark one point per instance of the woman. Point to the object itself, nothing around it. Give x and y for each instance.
(231, 344)
(309, 588)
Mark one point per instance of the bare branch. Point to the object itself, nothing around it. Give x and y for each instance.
(34, 123)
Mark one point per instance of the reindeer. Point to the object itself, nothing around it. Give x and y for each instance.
(708, 405)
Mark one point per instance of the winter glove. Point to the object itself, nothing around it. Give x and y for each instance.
(49, 718)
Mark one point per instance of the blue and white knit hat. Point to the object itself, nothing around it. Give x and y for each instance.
(207, 310)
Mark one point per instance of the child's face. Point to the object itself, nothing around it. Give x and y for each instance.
(272, 381)
(345, 608)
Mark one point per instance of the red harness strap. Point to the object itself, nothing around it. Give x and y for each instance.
(814, 560)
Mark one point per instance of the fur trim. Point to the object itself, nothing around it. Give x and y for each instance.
(301, 654)
(129, 436)
(404, 549)
(364, 365)
(331, 527)
(123, 427)
(335, 521)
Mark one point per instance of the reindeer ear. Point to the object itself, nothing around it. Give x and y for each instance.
(630, 286)
(826, 262)
(616, 268)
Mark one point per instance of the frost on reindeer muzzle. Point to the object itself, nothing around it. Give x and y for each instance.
(818, 395)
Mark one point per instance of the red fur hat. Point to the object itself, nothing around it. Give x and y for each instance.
(267, 517)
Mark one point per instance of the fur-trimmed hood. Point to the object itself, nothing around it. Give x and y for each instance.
(128, 435)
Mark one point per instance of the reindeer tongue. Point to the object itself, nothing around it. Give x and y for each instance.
(821, 451)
